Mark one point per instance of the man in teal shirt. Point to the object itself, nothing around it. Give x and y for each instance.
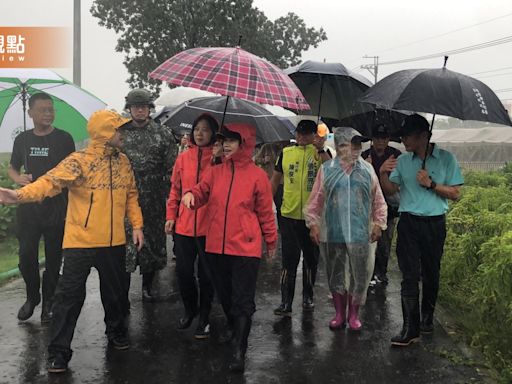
(424, 193)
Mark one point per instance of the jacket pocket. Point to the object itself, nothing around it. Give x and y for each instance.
(89, 210)
(248, 228)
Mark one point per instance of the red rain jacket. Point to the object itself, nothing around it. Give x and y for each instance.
(239, 196)
(188, 170)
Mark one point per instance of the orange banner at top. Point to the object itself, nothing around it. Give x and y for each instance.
(35, 47)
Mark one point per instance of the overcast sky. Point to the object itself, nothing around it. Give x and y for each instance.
(354, 29)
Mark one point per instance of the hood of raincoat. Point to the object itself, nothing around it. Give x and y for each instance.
(102, 125)
(248, 134)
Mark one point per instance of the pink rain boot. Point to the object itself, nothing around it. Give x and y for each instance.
(340, 305)
(353, 315)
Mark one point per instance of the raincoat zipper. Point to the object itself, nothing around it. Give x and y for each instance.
(199, 156)
(111, 203)
(89, 211)
(227, 205)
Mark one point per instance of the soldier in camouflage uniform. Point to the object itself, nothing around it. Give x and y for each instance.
(152, 151)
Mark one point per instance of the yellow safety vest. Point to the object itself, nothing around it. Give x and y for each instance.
(300, 166)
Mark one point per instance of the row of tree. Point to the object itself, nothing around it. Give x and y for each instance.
(151, 31)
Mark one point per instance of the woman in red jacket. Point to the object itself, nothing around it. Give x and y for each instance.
(240, 215)
(189, 227)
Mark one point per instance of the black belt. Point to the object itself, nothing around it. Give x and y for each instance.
(423, 218)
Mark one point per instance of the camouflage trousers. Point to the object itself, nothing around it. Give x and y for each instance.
(153, 255)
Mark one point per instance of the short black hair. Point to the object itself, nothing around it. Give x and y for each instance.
(38, 96)
(307, 126)
(212, 123)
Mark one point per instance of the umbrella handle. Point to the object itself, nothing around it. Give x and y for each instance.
(320, 98)
(224, 113)
(428, 142)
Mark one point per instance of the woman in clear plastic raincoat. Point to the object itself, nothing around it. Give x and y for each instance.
(346, 213)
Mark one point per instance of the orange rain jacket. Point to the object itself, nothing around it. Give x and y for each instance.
(101, 186)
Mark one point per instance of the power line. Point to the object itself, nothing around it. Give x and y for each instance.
(495, 75)
(486, 44)
(491, 70)
(444, 34)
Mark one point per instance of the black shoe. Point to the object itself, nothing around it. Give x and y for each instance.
(57, 364)
(283, 310)
(46, 313)
(427, 323)
(308, 304)
(202, 330)
(27, 309)
(186, 321)
(119, 342)
(146, 295)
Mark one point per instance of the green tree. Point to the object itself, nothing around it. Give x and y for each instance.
(154, 30)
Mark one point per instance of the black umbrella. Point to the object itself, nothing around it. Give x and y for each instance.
(329, 88)
(269, 128)
(365, 122)
(440, 92)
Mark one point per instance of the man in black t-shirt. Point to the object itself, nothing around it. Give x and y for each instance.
(379, 152)
(35, 152)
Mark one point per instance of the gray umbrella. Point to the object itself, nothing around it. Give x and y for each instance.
(330, 89)
(269, 128)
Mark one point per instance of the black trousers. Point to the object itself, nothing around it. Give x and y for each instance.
(187, 249)
(383, 250)
(419, 250)
(70, 294)
(295, 238)
(30, 227)
(234, 278)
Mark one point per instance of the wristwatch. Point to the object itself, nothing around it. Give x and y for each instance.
(433, 185)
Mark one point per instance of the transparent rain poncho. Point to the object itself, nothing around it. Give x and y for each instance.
(345, 203)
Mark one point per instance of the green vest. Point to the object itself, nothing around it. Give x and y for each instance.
(300, 166)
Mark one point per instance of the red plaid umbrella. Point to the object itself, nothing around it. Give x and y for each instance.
(232, 72)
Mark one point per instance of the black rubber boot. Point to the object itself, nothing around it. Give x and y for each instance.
(308, 282)
(147, 283)
(287, 293)
(411, 328)
(242, 330)
(228, 334)
(427, 322)
(46, 309)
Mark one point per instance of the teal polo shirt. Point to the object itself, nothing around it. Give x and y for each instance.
(443, 169)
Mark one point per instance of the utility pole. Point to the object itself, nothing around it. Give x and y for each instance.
(77, 43)
(372, 68)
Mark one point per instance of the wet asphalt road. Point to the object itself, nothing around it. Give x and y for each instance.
(300, 349)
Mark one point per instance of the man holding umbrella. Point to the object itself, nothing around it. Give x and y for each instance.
(427, 178)
(37, 151)
(152, 151)
(297, 166)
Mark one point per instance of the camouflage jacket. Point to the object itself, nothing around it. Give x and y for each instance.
(152, 151)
